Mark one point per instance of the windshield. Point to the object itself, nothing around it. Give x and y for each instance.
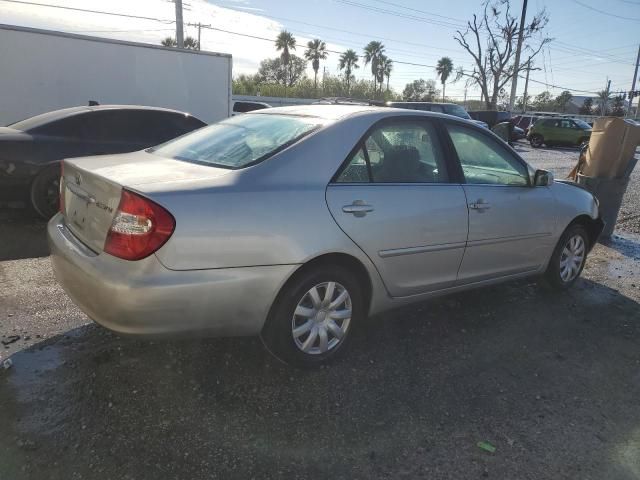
(582, 124)
(457, 110)
(239, 141)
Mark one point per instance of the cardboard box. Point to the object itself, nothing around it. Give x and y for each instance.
(611, 147)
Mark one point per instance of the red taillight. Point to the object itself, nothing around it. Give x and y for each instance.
(139, 228)
(61, 187)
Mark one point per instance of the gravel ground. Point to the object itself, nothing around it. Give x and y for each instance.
(550, 380)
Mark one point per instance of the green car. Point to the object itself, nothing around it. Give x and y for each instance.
(559, 131)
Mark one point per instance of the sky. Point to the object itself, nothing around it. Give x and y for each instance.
(593, 41)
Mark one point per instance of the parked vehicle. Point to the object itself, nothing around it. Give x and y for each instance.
(46, 70)
(524, 121)
(296, 223)
(517, 134)
(31, 150)
(490, 117)
(559, 131)
(448, 108)
(243, 106)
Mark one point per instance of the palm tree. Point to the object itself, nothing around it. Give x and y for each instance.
(169, 42)
(603, 97)
(191, 43)
(348, 62)
(316, 51)
(285, 42)
(444, 69)
(385, 68)
(372, 53)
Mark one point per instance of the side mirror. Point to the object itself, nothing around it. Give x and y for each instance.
(542, 178)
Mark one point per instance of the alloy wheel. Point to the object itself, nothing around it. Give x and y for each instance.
(321, 318)
(572, 257)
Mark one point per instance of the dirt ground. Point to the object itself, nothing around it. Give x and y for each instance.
(551, 380)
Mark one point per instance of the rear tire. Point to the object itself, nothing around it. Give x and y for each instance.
(569, 258)
(536, 140)
(307, 329)
(45, 192)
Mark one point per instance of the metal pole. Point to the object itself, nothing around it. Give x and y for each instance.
(179, 25)
(526, 88)
(605, 101)
(465, 98)
(633, 83)
(199, 30)
(516, 66)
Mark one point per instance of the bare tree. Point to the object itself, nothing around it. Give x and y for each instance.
(491, 41)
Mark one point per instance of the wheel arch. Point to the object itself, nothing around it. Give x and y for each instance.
(593, 226)
(344, 260)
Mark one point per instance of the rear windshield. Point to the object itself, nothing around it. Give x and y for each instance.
(456, 110)
(239, 141)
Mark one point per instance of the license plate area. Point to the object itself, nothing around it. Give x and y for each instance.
(77, 206)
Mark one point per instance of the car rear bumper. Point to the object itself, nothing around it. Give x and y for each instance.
(145, 298)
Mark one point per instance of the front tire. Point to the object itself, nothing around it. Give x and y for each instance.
(536, 140)
(45, 192)
(569, 258)
(313, 317)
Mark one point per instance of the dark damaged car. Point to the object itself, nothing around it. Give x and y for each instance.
(31, 150)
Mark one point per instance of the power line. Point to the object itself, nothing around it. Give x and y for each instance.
(90, 11)
(602, 12)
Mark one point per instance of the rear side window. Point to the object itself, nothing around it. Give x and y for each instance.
(239, 141)
(399, 152)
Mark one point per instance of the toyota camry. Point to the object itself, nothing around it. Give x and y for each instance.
(297, 223)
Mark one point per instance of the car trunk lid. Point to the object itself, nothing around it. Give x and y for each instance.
(92, 187)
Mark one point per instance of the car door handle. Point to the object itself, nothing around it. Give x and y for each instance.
(479, 205)
(358, 208)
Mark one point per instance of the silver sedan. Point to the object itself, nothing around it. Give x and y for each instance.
(297, 223)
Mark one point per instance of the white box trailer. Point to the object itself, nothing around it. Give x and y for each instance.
(42, 70)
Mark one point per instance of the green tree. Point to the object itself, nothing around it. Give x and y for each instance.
(372, 55)
(587, 107)
(348, 62)
(444, 69)
(543, 102)
(563, 100)
(189, 43)
(420, 91)
(385, 65)
(274, 70)
(618, 106)
(169, 42)
(285, 43)
(316, 51)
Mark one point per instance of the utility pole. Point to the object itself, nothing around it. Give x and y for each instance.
(604, 102)
(526, 88)
(179, 25)
(199, 30)
(465, 98)
(633, 83)
(516, 66)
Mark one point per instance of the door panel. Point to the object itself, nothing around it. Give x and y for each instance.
(414, 233)
(511, 234)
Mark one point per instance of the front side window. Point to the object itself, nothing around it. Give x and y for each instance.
(239, 141)
(566, 124)
(484, 160)
(399, 152)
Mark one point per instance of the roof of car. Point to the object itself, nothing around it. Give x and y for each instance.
(324, 111)
(48, 117)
